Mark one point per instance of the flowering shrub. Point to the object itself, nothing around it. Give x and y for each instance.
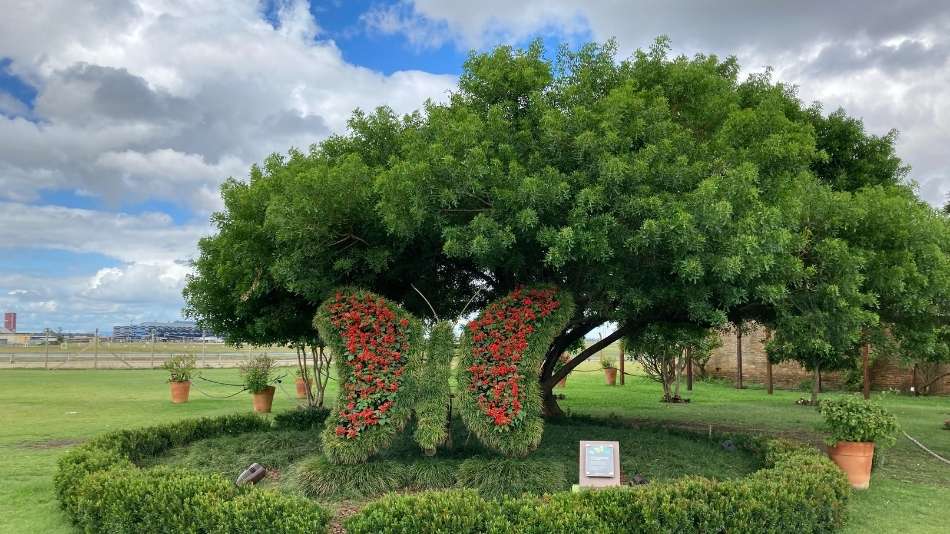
(501, 352)
(377, 342)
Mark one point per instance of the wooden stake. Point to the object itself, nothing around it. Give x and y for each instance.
(867, 371)
(738, 357)
(768, 363)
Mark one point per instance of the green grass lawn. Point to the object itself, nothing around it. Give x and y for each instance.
(45, 412)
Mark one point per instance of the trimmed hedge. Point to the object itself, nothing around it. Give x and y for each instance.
(799, 490)
(102, 490)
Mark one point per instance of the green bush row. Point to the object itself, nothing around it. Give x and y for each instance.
(102, 490)
(799, 490)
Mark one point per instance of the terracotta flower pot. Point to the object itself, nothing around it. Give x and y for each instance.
(610, 373)
(854, 458)
(302, 387)
(562, 383)
(179, 391)
(263, 400)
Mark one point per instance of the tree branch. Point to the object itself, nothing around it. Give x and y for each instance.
(584, 354)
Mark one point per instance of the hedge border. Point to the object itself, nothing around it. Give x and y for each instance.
(798, 490)
(101, 489)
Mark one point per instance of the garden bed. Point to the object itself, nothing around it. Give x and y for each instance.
(183, 472)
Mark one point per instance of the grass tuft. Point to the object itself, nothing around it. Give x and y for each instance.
(318, 478)
(499, 477)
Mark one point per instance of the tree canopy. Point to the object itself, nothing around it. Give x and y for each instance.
(656, 189)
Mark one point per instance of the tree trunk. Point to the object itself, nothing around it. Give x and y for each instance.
(620, 361)
(815, 386)
(676, 375)
(738, 358)
(550, 407)
(689, 370)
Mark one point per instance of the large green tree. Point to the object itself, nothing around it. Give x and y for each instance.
(655, 189)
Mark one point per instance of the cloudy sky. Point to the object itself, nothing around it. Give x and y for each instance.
(120, 118)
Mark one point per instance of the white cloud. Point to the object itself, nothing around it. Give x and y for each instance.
(130, 90)
(145, 238)
(886, 62)
(133, 292)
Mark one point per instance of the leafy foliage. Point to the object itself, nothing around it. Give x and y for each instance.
(656, 189)
(500, 351)
(854, 419)
(379, 346)
(181, 367)
(432, 388)
(257, 373)
(661, 349)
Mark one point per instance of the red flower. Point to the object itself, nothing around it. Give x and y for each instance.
(494, 377)
(373, 340)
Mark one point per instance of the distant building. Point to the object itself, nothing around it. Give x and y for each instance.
(173, 331)
(9, 321)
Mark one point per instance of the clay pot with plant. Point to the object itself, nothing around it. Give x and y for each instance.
(257, 373)
(303, 384)
(610, 371)
(856, 426)
(180, 368)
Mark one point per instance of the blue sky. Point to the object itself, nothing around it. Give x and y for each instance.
(120, 118)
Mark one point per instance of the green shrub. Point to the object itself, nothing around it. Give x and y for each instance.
(265, 511)
(302, 418)
(449, 512)
(257, 373)
(320, 478)
(800, 490)
(141, 443)
(433, 389)
(496, 477)
(854, 419)
(102, 490)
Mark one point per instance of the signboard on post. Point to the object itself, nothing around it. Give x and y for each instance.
(599, 464)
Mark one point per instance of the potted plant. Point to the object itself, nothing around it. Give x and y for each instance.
(855, 426)
(181, 367)
(257, 376)
(610, 371)
(303, 384)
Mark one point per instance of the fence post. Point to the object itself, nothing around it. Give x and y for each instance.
(95, 361)
(46, 342)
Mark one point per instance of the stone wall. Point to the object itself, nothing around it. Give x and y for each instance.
(885, 374)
